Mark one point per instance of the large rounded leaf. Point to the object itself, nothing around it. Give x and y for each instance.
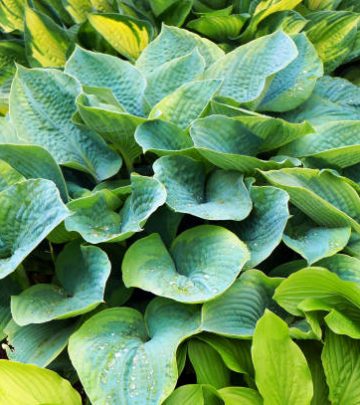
(219, 196)
(82, 288)
(125, 359)
(202, 263)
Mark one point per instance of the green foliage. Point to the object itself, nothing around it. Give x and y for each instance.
(179, 202)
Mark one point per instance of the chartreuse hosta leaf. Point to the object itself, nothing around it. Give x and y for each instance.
(128, 35)
(80, 290)
(12, 15)
(186, 103)
(334, 144)
(293, 85)
(164, 138)
(37, 344)
(240, 395)
(333, 34)
(333, 99)
(281, 371)
(8, 175)
(263, 229)
(326, 198)
(236, 311)
(122, 357)
(220, 195)
(244, 70)
(199, 394)
(313, 242)
(173, 43)
(47, 44)
(121, 77)
(96, 218)
(26, 384)
(42, 102)
(202, 263)
(30, 211)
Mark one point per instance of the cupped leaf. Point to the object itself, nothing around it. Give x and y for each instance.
(244, 71)
(173, 43)
(121, 77)
(346, 267)
(236, 311)
(186, 103)
(42, 102)
(240, 395)
(136, 357)
(281, 371)
(221, 195)
(202, 263)
(80, 290)
(30, 211)
(128, 35)
(96, 219)
(26, 384)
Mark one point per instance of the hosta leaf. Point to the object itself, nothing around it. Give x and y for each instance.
(159, 6)
(99, 70)
(173, 43)
(346, 267)
(262, 231)
(333, 34)
(340, 359)
(12, 15)
(136, 357)
(235, 312)
(128, 35)
(202, 263)
(281, 371)
(199, 394)
(208, 365)
(186, 103)
(171, 75)
(26, 384)
(293, 85)
(8, 287)
(81, 290)
(78, 9)
(8, 176)
(289, 21)
(177, 13)
(221, 195)
(313, 242)
(244, 70)
(334, 144)
(41, 119)
(46, 42)
(326, 198)
(95, 217)
(30, 211)
(37, 344)
(240, 395)
(164, 138)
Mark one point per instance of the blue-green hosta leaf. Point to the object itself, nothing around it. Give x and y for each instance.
(173, 43)
(82, 289)
(186, 103)
(8, 287)
(244, 70)
(128, 35)
(202, 263)
(333, 99)
(37, 344)
(313, 242)
(340, 358)
(42, 102)
(123, 358)
(333, 34)
(171, 75)
(164, 138)
(190, 394)
(262, 231)
(326, 198)
(346, 267)
(289, 21)
(221, 195)
(25, 384)
(95, 217)
(30, 211)
(47, 44)
(100, 70)
(12, 15)
(235, 312)
(281, 371)
(293, 85)
(336, 143)
(34, 162)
